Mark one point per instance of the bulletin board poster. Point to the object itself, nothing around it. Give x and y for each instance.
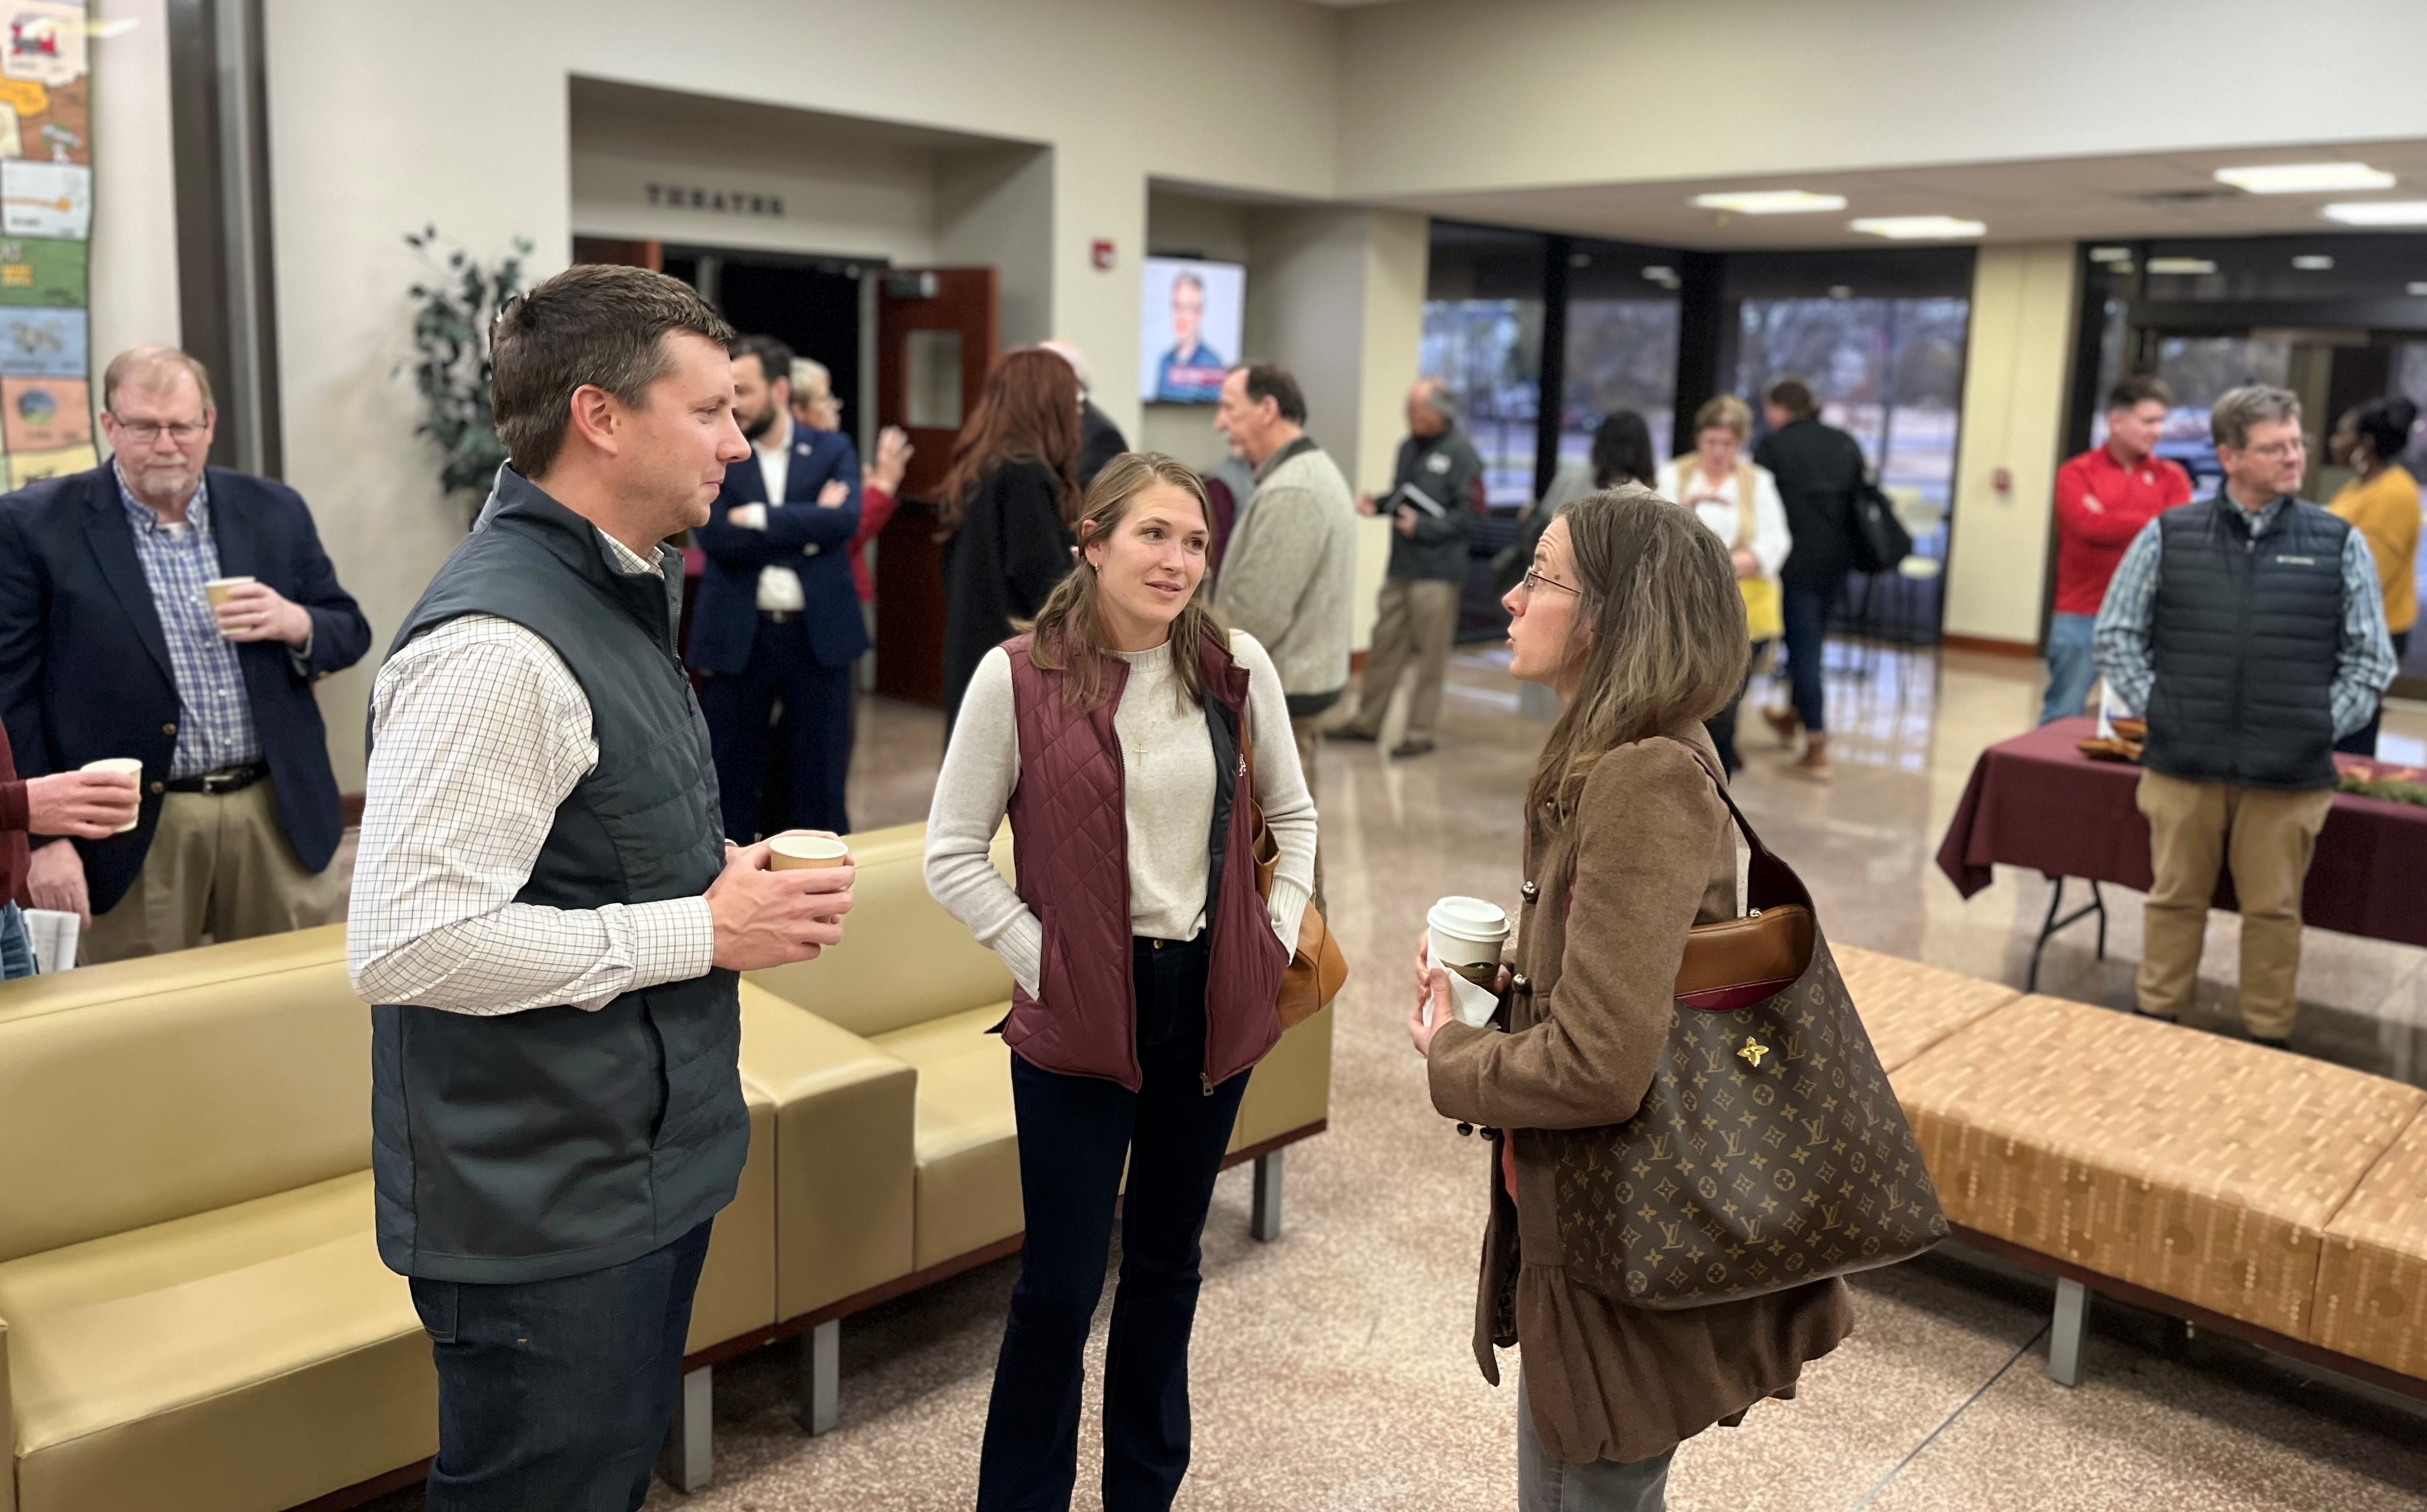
(45, 240)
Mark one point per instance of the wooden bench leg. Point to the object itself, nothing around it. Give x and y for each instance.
(820, 1377)
(2066, 1333)
(690, 1457)
(1265, 1213)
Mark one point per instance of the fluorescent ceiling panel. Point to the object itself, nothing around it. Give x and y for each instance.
(1770, 202)
(2304, 178)
(1918, 227)
(2379, 213)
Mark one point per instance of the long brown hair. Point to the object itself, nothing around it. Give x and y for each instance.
(1069, 634)
(1029, 412)
(1659, 629)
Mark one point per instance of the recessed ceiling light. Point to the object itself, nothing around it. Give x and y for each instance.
(2418, 291)
(1841, 291)
(2379, 213)
(2313, 261)
(1579, 259)
(2110, 255)
(1658, 272)
(1918, 227)
(2189, 267)
(2304, 178)
(1770, 202)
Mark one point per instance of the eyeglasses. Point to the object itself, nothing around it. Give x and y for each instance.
(2279, 450)
(1536, 577)
(147, 431)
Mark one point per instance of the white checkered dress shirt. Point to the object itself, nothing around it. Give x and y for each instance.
(215, 725)
(480, 731)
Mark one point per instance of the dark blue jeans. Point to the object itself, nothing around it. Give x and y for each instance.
(1807, 606)
(1074, 1132)
(16, 950)
(558, 1394)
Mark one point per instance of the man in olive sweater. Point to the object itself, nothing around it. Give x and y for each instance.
(1432, 505)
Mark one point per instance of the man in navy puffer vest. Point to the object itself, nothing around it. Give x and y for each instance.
(2249, 630)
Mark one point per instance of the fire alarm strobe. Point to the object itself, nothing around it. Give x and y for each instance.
(1101, 253)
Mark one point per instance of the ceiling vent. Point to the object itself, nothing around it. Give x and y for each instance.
(2201, 196)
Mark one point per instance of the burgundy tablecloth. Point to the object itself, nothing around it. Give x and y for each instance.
(2036, 801)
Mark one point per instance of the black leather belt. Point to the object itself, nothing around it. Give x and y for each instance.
(225, 780)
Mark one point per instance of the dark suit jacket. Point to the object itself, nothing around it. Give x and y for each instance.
(84, 666)
(810, 540)
(1100, 442)
(1818, 468)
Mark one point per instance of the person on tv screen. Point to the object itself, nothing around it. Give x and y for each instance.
(1191, 372)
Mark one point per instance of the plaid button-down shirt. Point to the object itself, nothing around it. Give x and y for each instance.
(215, 724)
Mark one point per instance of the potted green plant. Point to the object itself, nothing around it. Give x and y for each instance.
(453, 306)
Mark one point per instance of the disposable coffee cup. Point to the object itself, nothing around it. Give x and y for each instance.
(125, 767)
(218, 588)
(1466, 936)
(796, 853)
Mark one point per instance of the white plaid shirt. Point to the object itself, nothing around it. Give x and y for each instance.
(215, 724)
(479, 733)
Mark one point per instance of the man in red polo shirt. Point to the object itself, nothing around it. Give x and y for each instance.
(2103, 498)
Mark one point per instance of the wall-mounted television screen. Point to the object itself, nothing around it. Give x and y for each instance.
(1189, 328)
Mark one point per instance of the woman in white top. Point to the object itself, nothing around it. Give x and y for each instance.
(1713, 482)
(1115, 735)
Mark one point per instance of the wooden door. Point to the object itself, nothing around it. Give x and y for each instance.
(938, 331)
(615, 249)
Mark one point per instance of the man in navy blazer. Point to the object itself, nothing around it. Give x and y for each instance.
(778, 615)
(111, 646)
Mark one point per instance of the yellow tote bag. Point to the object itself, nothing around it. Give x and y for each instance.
(1764, 610)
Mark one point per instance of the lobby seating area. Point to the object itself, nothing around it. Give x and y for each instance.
(192, 1310)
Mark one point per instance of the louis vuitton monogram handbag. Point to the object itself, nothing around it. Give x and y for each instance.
(1769, 1152)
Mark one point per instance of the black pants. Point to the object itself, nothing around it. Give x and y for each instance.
(1074, 1132)
(817, 713)
(1806, 606)
(2362, 741)
(558, 1394)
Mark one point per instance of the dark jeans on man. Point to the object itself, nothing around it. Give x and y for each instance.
(1074, 1132)
(2362, 741)
(817, 713)
(558, 1394)
(1807, 605)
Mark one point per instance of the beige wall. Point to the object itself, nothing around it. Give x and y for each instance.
(134, 212)
(1463, 94)
(2024, 308)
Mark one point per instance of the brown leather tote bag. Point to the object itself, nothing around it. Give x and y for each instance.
(1318, 968)
(1770, 1152)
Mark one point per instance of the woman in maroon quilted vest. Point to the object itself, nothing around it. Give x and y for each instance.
(1631, 613)
(1146, 965)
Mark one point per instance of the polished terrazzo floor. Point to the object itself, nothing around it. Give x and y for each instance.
(1331, 1369)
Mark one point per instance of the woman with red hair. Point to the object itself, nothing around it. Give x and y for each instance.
(1009, 504)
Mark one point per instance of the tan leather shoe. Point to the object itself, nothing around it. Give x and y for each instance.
(1813, 765)
(1783, 723)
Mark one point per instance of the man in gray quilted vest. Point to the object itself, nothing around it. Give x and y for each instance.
(549, 920)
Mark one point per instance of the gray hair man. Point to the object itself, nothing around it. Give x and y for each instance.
(1289, 575)
(1434, 494)
(2249, 630)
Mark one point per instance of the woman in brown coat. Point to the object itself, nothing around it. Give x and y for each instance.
(1631, 612)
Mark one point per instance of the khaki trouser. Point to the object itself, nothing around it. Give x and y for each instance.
(220, 866)
(1419, 620)
(2267, 835)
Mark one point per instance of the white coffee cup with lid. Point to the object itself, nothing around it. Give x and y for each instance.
(1466, 936)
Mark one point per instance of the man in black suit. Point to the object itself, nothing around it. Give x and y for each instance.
(1819, 470)
(112, 645)
(1099, 439)
(778, 611)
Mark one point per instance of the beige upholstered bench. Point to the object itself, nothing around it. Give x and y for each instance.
(2372, 1277)
(1908, 1007)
